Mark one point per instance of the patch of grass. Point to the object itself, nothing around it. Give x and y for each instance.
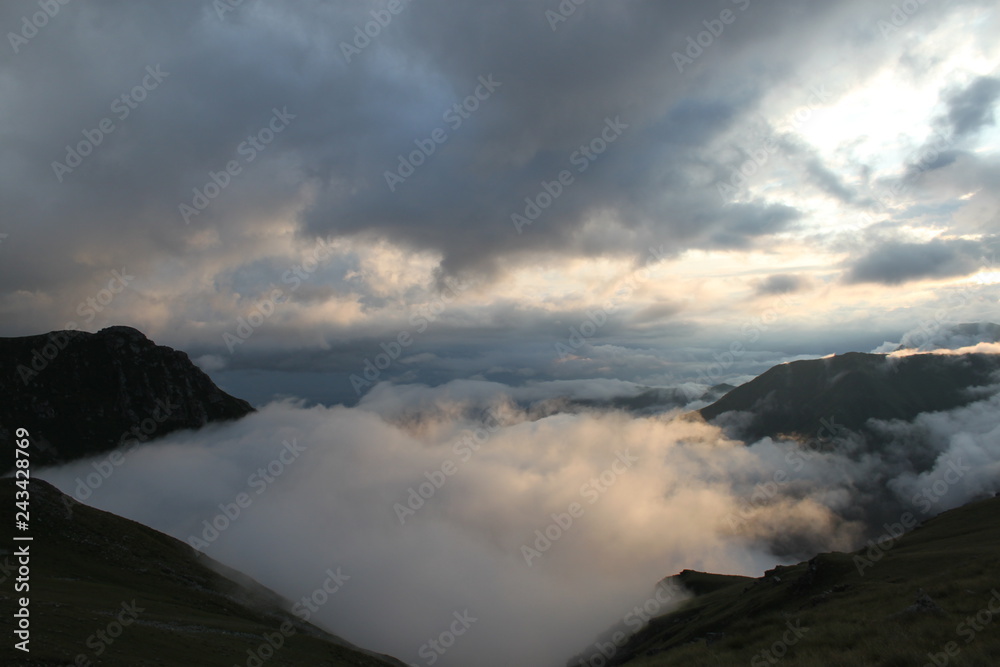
(194, 611)
(853, 619)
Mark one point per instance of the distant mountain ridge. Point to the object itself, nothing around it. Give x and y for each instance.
(847, 390)
(81, 394)
(655, 399)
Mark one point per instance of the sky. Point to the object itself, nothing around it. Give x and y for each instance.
(517, 192)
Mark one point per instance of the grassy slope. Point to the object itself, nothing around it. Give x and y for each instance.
(852, 619)
(83, 568)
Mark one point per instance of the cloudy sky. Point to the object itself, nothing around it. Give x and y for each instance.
(512, 192)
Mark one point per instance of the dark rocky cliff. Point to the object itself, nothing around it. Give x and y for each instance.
(80, 394)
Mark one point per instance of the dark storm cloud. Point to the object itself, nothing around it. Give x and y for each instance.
(780, 283)
(556, 92)
(829, 182)
(971, 108)
(609, 70)
(818, 174)
(893, 262)
(743, 222)
(612, 59)
(120, 203)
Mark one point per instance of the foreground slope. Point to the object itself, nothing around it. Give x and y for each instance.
(932, 594)
(97, 576)
(80, 394)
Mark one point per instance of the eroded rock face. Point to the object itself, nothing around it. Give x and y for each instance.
(80, 394)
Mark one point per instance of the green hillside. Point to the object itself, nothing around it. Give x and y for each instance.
(893, 607)
(94, 575)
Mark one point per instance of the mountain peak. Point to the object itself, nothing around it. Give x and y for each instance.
(123, 330)
(81, 393)
(801, 398)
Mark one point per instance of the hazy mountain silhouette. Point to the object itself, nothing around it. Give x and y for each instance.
(801, 398)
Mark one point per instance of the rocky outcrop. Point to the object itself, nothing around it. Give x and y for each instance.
(80, 394)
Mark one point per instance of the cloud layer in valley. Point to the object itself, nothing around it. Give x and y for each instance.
(429, 501)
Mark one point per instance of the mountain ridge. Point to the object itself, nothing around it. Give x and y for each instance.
(81, 394)
(794, 399)
(906, 595)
